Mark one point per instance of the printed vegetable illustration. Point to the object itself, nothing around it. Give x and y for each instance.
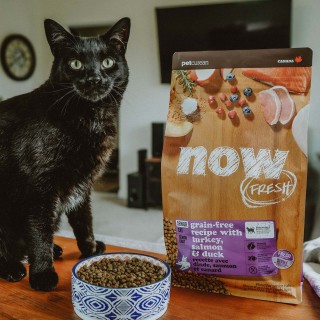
(179, 129)
(184, 79)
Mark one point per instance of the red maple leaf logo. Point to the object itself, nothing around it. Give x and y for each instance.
(298, 59)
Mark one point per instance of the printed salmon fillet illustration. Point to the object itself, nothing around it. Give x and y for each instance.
(295, 79)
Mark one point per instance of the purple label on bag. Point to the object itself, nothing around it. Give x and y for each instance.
(226, 247)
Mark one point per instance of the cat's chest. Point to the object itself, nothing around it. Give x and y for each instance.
(102, 158)
(90, 156)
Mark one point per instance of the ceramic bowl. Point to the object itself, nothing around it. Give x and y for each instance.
(145, 302)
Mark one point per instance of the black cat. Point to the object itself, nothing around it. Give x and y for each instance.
(54, 142)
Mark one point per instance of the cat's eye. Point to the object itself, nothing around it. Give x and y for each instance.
(108, 63)
(75, 64)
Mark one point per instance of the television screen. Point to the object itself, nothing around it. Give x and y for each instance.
(226, 26)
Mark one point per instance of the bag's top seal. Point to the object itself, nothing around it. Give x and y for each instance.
(261, 58)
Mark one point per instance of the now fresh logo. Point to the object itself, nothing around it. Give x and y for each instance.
(265, 183)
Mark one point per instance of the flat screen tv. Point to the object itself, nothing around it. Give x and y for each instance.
(259, 24)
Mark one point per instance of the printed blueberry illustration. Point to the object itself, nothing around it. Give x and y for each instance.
(246, 111)
(234, 98)
(248, 92)
(230, 76)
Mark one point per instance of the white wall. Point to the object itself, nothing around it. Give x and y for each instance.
(305, 33)
(146, 99)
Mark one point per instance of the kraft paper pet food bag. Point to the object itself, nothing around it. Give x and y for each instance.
(234, 171)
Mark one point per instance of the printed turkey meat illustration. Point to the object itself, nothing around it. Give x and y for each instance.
(277, 105)
(287, 104)
(271, 106)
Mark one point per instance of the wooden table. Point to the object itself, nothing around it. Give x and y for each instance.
(19, 301)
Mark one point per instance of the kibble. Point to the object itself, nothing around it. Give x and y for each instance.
(189, 279)
(117, 273)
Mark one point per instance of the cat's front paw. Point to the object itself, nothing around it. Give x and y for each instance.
(57, 251)
(12, 271)
(44, 281)
(100, 247)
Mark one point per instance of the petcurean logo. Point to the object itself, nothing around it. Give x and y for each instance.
(297, 59)
(194, 63)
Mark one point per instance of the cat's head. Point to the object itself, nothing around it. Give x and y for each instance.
(93, 68)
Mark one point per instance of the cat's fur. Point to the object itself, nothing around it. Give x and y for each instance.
(54, 142)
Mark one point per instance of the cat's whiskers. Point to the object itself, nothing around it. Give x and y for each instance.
(61, 98)
(118, 90)
(59, 90)
(113, 98)
(64, 108)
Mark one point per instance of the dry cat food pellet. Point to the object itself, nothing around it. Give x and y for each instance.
(234, 185)
(117, 273)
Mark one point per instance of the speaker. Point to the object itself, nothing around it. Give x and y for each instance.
(157, 138)
(153, 182)
(142, 155)
(136, 193)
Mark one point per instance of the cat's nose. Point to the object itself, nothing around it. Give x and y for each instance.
(94, 79)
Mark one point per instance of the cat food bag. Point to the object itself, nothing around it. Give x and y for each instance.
(234, 170)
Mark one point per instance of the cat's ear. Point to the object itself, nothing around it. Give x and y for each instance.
(58, 38)
(118, 35)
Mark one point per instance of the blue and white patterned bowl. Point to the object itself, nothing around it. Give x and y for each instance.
(145, 302)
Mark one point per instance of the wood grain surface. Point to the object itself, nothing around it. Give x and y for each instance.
(19, 301)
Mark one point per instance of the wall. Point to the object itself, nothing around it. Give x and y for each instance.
(305, 33)
(22, 17)
(146, 99)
